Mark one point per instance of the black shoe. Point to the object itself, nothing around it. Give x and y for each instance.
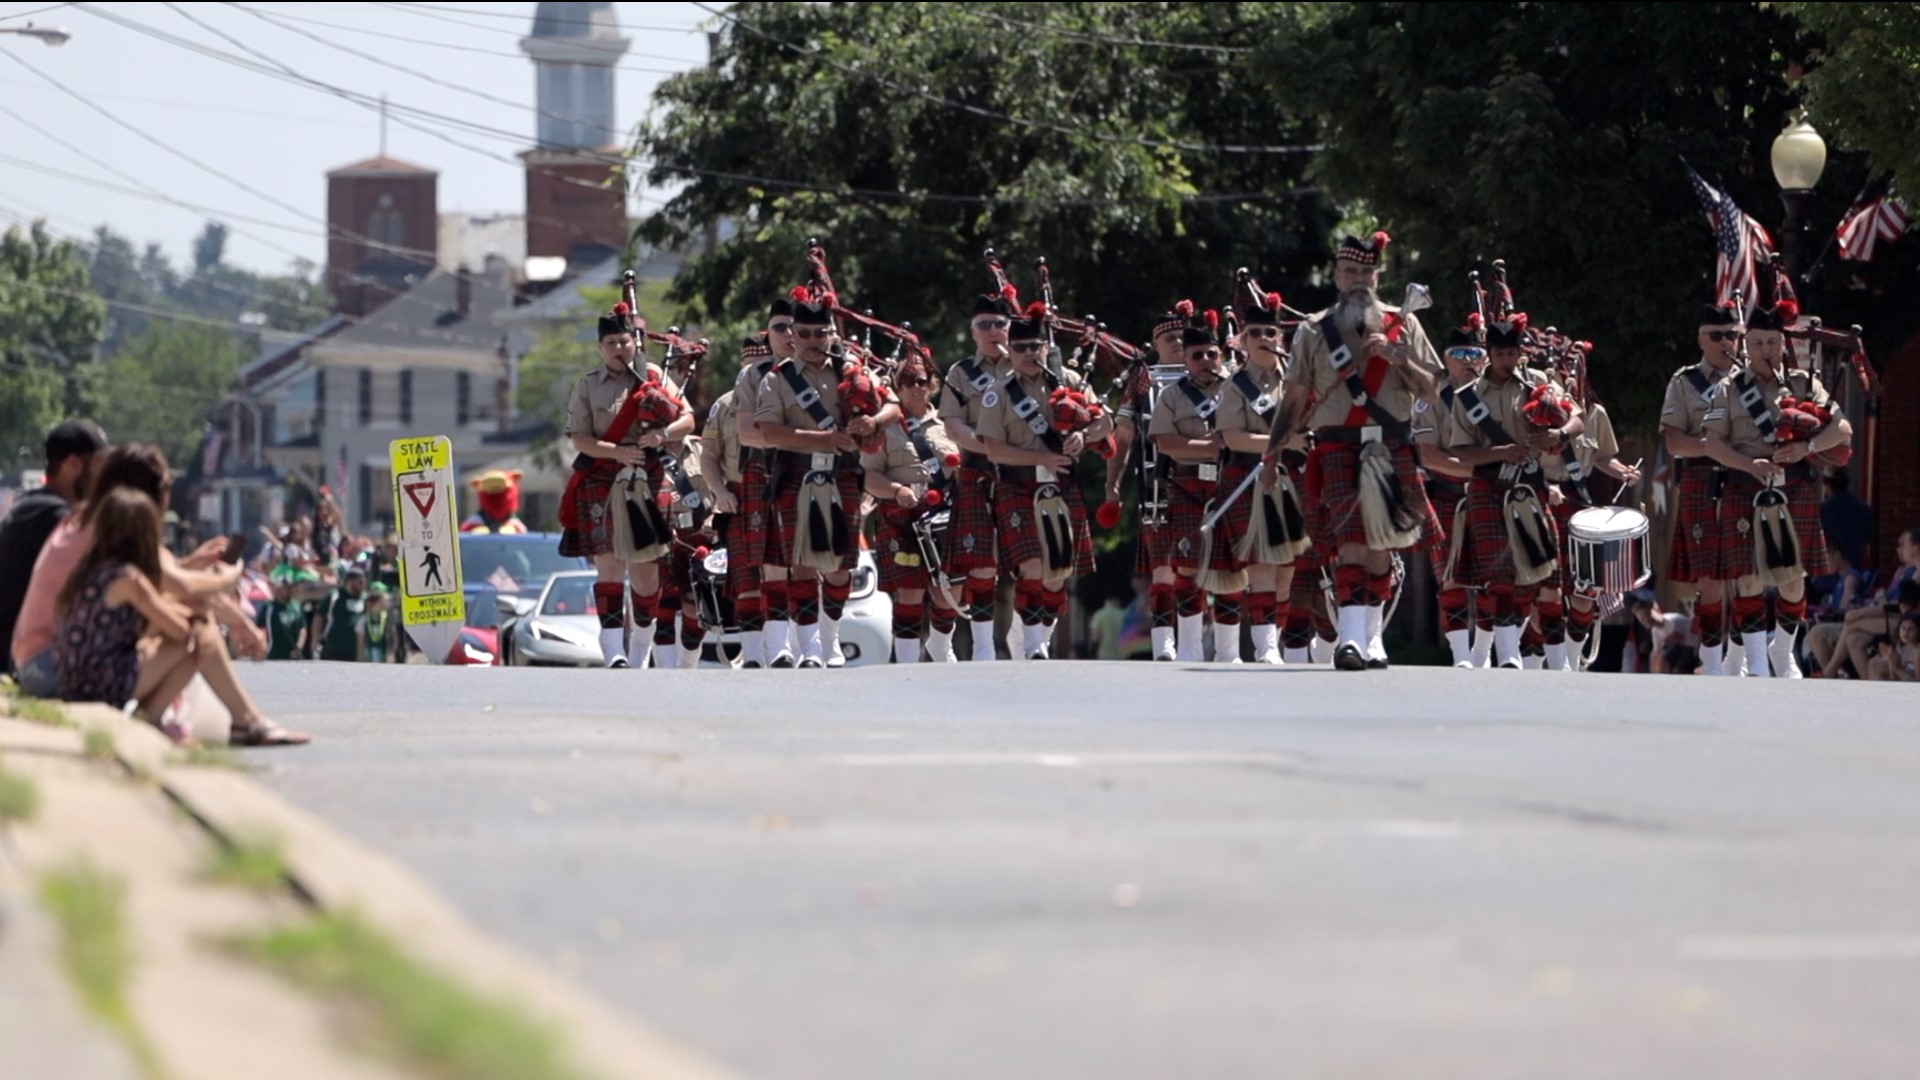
(1348, 658)
(1376, 665)
(784, 660)
(750, 664)
(617, 662)
(811, 663)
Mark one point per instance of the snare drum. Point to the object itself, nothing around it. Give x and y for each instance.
(1608, 545)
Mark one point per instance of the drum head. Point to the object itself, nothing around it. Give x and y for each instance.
(1602, 523)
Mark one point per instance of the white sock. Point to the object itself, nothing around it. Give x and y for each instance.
(830, 643)
(1296, 656)
(1557, 656)
(1461, 642)
(1033, 641)
(940, 647)
(1757, 660)
(1376, 649)
(1321, 650)
(983, 641)
(1163, 643)
(613, 644)
(1226, 643)
(1713, 660)
(1350, 625)
(808, 640)
(1482, 647)
(753, 647)
(775, 639)
(1266, 644)
(1506, 644)
(1530, 662)
(1780, 659)
(1191, 651)
(690, 657)
(667, 656)
(640, 647)
(906, 650)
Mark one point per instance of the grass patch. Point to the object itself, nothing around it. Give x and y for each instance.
(415, 1015)
(89, 907)
(99, 744)
(38, 711)
(250, 862)
(216, 757)
(19, 799)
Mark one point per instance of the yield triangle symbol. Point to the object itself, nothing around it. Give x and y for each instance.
(422, 495)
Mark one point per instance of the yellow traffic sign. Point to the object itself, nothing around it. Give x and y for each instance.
(424, 505)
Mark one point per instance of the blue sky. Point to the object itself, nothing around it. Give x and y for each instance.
(274, 136)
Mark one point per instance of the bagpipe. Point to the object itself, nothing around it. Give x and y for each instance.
(1096, 351)
(1276, 531)
(1530, 535)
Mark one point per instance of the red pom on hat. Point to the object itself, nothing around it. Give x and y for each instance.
(800, 293)
(1273, 301)
(1011, 294)
(701, 552)
(934, 498)
(1380, 241)
(1213, 319)
(1184, 309)
(1475, 320)
(620, 308)
(1036, 310)
(1788, 310)
(1108, 516)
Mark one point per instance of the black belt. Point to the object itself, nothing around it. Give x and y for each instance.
(977, 462)
(1192, 472)
(1446, 485)
(1395, 433)
(1242, 461)
(793, 461)
(750, 455)
(1024, 474)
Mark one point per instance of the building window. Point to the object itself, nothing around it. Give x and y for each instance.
(366, 396)
(463, 399)
(384, 226)
(406, 397)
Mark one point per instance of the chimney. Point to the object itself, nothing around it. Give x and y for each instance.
(463, 291)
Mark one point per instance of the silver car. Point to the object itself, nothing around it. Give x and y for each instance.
(560, 629)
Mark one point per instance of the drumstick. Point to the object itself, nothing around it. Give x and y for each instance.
(1624, 488)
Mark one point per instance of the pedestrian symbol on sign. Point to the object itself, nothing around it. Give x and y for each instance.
(433, 569)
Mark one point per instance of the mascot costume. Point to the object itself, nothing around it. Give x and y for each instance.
(498, 493)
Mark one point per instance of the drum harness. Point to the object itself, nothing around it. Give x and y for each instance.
(923, 525)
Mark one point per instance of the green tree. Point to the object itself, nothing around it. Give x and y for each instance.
(1551, 135)
(1865, 87)
(1110, 137)
(50, 324)
(161, 385)
(209, 247)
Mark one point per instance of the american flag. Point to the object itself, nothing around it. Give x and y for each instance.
(340, 477)
(1740, 242)
(1868, 223)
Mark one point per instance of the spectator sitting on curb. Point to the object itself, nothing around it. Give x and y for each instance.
(1898, 660)
(1832, 644)
(23, 533)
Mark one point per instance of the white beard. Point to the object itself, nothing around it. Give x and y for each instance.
(1359, 315)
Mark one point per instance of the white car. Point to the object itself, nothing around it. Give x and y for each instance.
(560, 629)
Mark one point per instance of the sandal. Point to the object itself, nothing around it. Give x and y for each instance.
(265, 733)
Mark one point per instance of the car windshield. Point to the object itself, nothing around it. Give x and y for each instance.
(569, 596)
(512, 563)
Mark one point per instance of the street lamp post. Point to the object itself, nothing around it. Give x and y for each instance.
(1799, 156)
(54, 36)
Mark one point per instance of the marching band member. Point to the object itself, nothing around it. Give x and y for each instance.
(620, 419)
(902, 478)
(1503, 425)
(1772, 422)
(1364, 363)
(1447, 476)
(766, 620)
(971, 530)
(721, 457)
(1696, 557)
(1183, 427)
(1569, 622)
(1041, 512)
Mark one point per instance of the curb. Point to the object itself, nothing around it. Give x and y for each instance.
(338, 875)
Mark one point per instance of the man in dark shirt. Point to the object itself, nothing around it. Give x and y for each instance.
(24, 531)
(1846, 520)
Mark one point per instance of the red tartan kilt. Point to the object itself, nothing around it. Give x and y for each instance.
(1333, 497)
(743, 576)
(972, 530)
(747, 544)
(590, 490)
(677, 574)
(1186, 509)
(1736, 524)
(787, 501)
(1563, 519)
(1486, 556)
(1696, 552)
(1143, 551)
(1445, 500)
(1013, 502)
(893, 539)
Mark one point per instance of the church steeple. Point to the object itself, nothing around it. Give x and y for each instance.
(575, 48)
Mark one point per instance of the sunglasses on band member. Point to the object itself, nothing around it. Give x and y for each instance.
(780, 328)
(992, 324)
(1261, 331)
(810, 333)
(913, 384)
(1466, 354)
(1027, 346)
(1210, 354)
(1724, 335)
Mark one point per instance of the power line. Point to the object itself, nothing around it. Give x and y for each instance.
(975, 110)
(435, 10)
(984, 200)
(200, 106)
(476, 49)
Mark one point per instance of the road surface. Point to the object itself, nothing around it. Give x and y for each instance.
(1126, 871)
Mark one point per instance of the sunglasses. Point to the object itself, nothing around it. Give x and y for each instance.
(1210, 354)
(992, 324)
(811, 333)
(780, 328)
(1724, 335)
(915, 384)
(1261, 331)
(1027, 346)
(1466, 354)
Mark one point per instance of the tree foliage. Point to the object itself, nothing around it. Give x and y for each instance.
(1865, 89)
(1551, 135)
(911, 136)
(50, 324)
(162, 382)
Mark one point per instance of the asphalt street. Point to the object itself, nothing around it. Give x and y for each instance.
(1148, 871)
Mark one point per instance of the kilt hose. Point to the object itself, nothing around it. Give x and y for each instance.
(1333, 496)
(1696, 553)
(896, 552)
(1486, 555)
(786, 503)
(971, 530)
(747, 544)
(1446, 494)
(590, 490)
(1736, 523)
(1020, 528)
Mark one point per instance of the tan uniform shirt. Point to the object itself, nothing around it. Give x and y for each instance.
(1312, 368)
(1175, 413)
(778, 405)
(960, 399)
(1503, 402)
(723, 427)
(1687, 409)
(1591, 448)
(997, 419)
(1237, 413)
(597, 397)
(746, 388)
(1734, 424)
(901, 463)
(1433, 426)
